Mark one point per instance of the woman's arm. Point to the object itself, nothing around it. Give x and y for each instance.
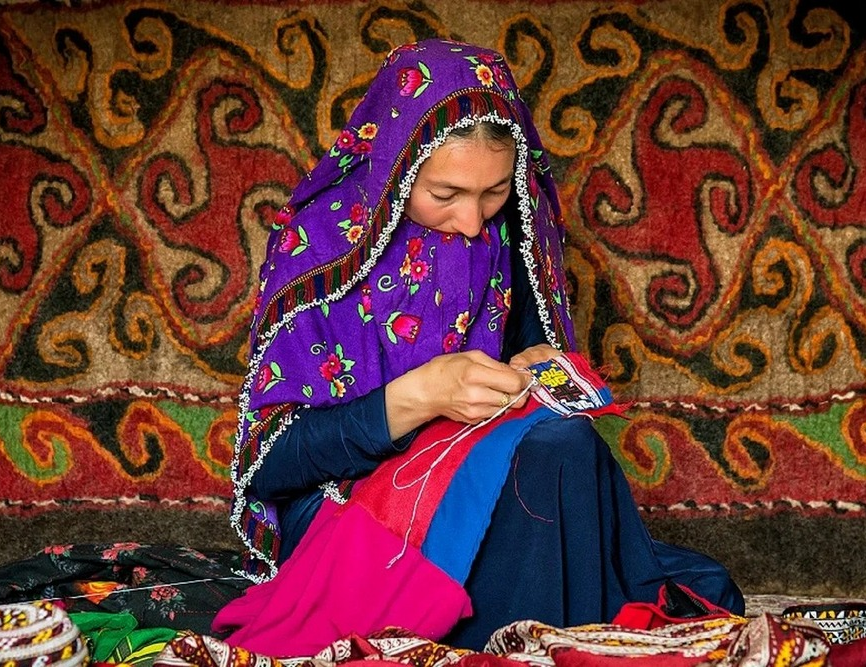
(348, 441)
(344, 441)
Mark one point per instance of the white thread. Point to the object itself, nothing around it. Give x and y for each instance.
(131, 590)
(423, 478)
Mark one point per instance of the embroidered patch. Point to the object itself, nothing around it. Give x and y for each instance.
(568, 386)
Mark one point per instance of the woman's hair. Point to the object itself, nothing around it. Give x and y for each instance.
(499, 133)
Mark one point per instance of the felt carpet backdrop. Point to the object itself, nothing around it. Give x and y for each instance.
(710, 156)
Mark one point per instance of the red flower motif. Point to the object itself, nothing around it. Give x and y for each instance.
(346, 139)
(57, 549)
(499, 300)
(264, 412)
(414, 246)
(395, 53)
(331, 366)
(163, 593)
(499, 76)
(409, 79)
(485, 234)
(289, 240)
(362, 148)
(419, 270)
(266, 374)
(284, 216)
(450, 342)
(406, 327)
(366, 301)
(358, 213)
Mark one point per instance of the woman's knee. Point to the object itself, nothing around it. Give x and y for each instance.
(570, 442)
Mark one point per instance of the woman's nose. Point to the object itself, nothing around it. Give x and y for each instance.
(470, 220)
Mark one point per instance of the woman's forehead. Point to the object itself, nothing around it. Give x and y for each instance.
(468, 159)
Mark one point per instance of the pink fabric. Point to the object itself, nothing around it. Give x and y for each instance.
(337, 583)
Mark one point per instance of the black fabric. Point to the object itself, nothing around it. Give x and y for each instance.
(161, 586)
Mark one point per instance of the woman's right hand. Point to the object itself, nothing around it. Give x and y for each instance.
(467, 387)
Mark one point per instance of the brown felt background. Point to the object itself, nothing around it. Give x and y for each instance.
(710, 157)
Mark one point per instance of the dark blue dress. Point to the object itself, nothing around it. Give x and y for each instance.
(565, 546)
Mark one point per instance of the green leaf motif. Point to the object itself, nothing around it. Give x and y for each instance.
(337, 205)
(307, 391)
(421, 89)
(424, 69)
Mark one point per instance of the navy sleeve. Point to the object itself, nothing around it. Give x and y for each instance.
(340, 442)
(523, 327)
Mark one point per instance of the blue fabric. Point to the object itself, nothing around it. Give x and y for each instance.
(458, 526)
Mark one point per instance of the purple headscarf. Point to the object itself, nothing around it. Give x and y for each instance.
(353, 294)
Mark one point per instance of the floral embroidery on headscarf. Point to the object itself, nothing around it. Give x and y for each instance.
(414, 80)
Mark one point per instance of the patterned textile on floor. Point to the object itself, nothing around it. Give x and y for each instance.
(161, 587)
(721, 642)
(841, 622)
(40, 634)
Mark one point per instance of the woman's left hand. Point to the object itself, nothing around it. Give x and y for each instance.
(533, 355)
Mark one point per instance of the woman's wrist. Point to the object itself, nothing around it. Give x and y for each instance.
(407, 404)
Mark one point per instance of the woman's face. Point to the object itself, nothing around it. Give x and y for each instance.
(463, 183)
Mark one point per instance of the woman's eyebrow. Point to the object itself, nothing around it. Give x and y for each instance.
(450, 186)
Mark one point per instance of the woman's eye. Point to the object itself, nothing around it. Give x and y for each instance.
(442, 198)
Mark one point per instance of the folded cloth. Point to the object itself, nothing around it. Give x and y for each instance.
(39, 634)
(116, 638)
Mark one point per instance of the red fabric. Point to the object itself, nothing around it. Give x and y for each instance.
(852, 654)
(652, 615)
(394, 507)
